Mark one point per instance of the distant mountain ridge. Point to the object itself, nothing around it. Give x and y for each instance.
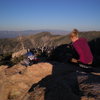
(13, 34)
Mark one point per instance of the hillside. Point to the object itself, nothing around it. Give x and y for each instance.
(37, 40)
(90, 35)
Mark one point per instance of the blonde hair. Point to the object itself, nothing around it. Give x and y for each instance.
(74, 33)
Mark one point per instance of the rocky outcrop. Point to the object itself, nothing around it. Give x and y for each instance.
(19, 53)
(17, 80)
(90, 85)
(48, 81)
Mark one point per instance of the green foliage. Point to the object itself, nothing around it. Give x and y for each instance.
(5, 59)
(16, 60)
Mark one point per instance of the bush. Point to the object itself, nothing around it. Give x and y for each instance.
(5, 59)
(16, 60)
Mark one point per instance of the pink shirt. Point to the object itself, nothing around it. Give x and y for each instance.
(83, 50)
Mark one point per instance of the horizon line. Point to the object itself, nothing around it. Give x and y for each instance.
(49, 30)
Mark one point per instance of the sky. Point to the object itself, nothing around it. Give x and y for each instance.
(50, 14)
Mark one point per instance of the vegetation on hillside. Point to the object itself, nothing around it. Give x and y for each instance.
(43, 44)
(40, 40)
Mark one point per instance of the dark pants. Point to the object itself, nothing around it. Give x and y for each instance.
(83, 67)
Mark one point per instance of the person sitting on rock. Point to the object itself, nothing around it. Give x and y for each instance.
(82, 48)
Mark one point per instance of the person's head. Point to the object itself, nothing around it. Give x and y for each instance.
(74, 35)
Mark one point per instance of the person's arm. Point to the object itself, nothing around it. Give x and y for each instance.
(74, 60)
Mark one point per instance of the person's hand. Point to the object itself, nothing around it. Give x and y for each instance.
(74, 60)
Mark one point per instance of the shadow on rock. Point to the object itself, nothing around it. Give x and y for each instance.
(61, 85)
(90, 85)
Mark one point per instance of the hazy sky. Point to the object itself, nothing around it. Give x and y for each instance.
(49, 14)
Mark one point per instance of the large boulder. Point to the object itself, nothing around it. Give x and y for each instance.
(19, 79)
(2, 68)
(15, 69)
(48, 81)
(90, 85)
(19, 53)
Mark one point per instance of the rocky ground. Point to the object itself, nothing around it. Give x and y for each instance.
(48, 81)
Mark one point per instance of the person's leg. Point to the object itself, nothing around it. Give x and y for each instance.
(82, 67)
(86, 67)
